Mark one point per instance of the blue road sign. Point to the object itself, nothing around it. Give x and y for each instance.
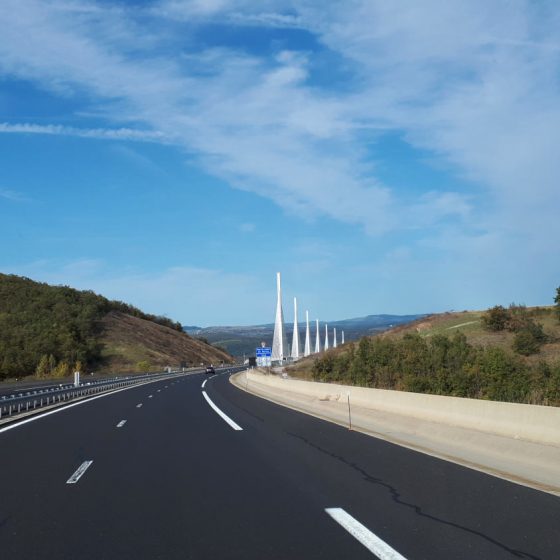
(264, 352)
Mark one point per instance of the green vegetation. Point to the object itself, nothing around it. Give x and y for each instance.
(441, 365)
(53, 330)
(529, 335)
(496, 318)
(507, 354)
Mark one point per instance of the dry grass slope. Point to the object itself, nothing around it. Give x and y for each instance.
(470, 324)
(128, 340)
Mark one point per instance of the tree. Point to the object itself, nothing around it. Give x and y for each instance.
(61, 370)
(557, 302)
(52, 363)
(43, 366)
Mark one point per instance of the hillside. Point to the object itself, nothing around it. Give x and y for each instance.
(50, 330)
(240, 340)
(130, 340)
(470, 324)
(453, 354)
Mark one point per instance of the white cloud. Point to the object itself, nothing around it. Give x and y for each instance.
(474, 83)
(98, 133)
(254, 122)
(13, 196)
(247, 227)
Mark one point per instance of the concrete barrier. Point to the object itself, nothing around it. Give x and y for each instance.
(539, 424)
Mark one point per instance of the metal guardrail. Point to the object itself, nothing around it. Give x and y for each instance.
(32, 400)
(39, 398)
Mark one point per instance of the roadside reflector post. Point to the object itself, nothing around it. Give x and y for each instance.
(76, 379)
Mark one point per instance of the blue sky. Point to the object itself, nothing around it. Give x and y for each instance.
(385, 157)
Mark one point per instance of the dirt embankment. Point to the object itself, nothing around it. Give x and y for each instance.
(129, 340)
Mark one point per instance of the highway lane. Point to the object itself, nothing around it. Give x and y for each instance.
(423, 506)
(176, 481)
(30, 385)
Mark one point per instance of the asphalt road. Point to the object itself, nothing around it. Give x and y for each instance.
(177, 481)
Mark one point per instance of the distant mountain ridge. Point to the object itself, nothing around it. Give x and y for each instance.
(240, 340)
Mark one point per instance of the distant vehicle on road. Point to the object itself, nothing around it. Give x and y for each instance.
(210, 369)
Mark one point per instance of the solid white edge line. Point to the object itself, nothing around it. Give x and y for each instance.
(79, 472)
(361, 533)
(204, 383)
(225, 417)
(121, 423)
(72, 405)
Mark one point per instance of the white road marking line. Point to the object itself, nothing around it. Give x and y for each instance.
(69, 406)
(204, 383)
(372, 542)
(78, 474)
(150, 396)
(138, 405)
(159, 390)
(220, 413)
(121, 423)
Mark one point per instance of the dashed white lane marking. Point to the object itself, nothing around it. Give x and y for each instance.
(224, 416)
(69, 406)
(159, 390)
(138, 405)
(72, 405)
(121, 423)
(150, 396)
(78, 474)
(361, 533)
(204, 383)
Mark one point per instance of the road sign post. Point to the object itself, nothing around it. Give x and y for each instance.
(264, 356)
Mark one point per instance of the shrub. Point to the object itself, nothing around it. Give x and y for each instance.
(496, 318)
(143, 366)
(444, 365)
(529, 339)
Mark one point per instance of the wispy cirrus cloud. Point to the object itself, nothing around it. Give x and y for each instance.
(97, 133)
(254, 122)
(472, 83)
(13, 196)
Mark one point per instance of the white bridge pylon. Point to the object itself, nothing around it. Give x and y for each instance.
(279, 340)
(281, 351)
(295, 338)
(307, 347)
